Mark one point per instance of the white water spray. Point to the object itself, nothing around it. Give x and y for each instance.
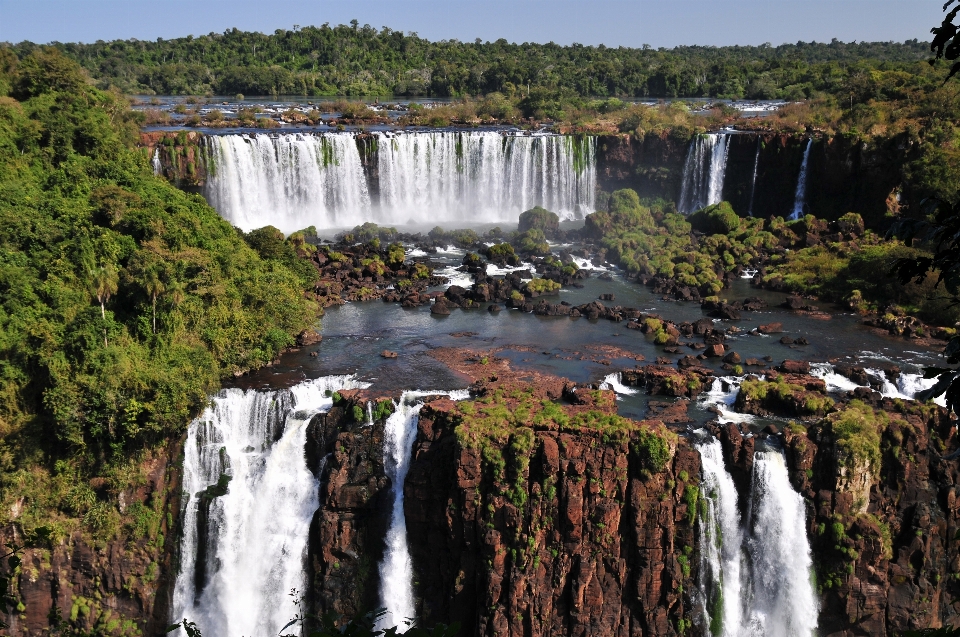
(800, 200)
(155, 162)
(396, 570)
(720, 544)
(236, 571)
(613, 381)
(753, 182)
(703, 172)
(484, 176)
(755, 578)
(293, 181)
(287, 181)
(783, 602)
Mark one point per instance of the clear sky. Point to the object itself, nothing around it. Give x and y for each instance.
(658, 23)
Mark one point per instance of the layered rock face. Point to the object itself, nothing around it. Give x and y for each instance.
(882, 528)
(761, 172)
(578, 535)
(346, 534)
(120, 587)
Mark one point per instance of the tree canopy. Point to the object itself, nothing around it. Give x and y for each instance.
(360, 60)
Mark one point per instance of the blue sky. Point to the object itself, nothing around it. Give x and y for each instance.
(612, 22)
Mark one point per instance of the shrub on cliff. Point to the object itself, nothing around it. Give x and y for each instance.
(538, 218)
(716, 219)
(856, 430)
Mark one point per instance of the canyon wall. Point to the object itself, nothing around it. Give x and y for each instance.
(843, 175)
(122, 586)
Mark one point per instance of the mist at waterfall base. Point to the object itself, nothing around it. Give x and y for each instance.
(242, 552)
(756, 574)
(292, 181)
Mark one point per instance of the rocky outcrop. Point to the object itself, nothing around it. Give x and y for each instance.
(883, 511)
(117, 586)
(580, 535)
(844, 174)
(347, 532)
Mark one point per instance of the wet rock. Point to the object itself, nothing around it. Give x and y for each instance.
(794, 367)
(608, 297)
(715, 351)
(493, 308)
(786, 340)
(793, 302)
(308, 337)
(388, 354)
(770, 328)
(732, 358)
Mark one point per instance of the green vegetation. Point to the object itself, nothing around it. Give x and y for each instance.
(540, 219)
(856, 430)
(655, 240)
(123, 300)
(541, 286)
(360, 60)
(861, 276)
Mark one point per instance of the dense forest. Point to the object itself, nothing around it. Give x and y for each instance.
(362, 61)
(124, 300)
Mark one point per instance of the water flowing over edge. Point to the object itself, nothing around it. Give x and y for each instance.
(396, 570)
(755, 577)
(800, 199)
(250, 552)
(704, 172)
(293, 181)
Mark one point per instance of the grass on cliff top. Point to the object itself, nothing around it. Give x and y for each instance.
(857, 430)
(499, 421)
(780, 390)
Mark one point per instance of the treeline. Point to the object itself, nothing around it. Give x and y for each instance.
(123, 301)
(362, 61)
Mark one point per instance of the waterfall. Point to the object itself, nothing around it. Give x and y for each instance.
(155, 162)
(703, 172)
(287, 181)
(614, 381)
(243, 551)
(720, 544)
(800, 200)
(293, 181)
(753, 182)
(484, 176)
(755, 577)
(396, 570)
(783, 599)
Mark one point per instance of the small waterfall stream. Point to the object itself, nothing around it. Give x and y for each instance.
(800, 200)
(753, 182)
(703, 172)
(755, 578)
(396, 570)
(293, 181)
(243, 550)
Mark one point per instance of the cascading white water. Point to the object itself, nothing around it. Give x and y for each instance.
(800, 199)
(782, 599)
(755, 578)
(293, 181)
(613, 381)
(703, 172)
(483, 176)
(720, 544)
(251, 550)
(753, 182)
(396, 570)
(287, 181)
(155, 162)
